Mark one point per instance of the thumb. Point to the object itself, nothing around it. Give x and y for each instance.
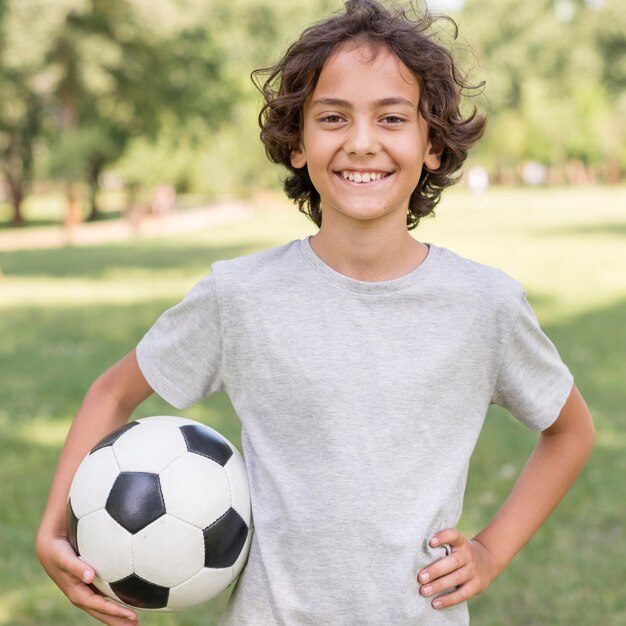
(74, 565)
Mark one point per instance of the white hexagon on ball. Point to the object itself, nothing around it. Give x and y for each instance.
(105, 545)
(149, 447)
(93, 481)
(205, 585)
(168, 419)
(199, 501)
(168, 551)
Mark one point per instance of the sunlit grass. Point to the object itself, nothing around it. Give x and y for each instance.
(564, 245)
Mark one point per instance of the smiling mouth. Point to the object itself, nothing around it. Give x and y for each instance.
(363, 177)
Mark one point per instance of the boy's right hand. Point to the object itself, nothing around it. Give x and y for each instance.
(73, 577)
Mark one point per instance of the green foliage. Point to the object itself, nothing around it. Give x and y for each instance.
(555, 80)
(227, 159)
(99, 85)
(105, 76)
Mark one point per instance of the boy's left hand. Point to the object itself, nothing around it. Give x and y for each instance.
(469, 569)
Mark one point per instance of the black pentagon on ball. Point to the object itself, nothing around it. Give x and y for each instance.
(135, 500)
(203, 441)
(72, 527)
(111, 438)
(224, 540)
(138, 592)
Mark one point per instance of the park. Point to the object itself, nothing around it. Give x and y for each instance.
(87, 263)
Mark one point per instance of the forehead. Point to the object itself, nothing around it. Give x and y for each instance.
(361, 70)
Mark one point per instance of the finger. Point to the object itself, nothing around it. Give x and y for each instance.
(83, 597)
(443, 567)
(450, 536)
(111, 621)
(451, 581)
(462, 594)
(74, 566)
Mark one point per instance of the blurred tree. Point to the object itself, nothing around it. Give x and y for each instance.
(20, 123)
(21, 114)
(609, 30)
(551, 71)
(161, 91)
(118, 79)
(228, 160)
(104, 75)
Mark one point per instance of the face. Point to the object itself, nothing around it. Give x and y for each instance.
(364, 142)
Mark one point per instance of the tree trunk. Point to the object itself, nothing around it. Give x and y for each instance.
(18, 217)
(73, 216)
(94, 209)
(16, 191)
(613, 165)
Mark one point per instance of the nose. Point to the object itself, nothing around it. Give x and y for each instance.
(361, 138)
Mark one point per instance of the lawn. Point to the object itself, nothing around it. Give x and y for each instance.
(67, 314)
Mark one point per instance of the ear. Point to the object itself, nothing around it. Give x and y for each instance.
(298, 156)
(432, 158)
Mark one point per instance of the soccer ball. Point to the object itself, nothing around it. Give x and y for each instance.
(160, 509)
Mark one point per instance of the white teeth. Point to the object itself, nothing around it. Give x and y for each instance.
(362, 177)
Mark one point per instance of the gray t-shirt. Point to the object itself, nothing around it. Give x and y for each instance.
(360, 404)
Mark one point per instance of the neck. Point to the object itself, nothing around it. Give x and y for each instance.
(366, 253)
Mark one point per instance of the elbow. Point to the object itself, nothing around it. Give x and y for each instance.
(122, 384)
(590, 438)
(584, 438)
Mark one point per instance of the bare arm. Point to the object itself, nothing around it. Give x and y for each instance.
(551, 469)
(107, 405)
(556, 461)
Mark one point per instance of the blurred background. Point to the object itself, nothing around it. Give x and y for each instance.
(130, 161)
(112, 106)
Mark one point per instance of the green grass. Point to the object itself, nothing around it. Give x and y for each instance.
(67, 314)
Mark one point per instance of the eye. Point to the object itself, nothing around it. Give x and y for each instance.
(393, 120)
(331, 119)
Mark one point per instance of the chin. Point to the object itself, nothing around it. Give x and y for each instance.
(367, 215)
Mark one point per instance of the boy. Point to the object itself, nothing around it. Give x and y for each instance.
(360, 361)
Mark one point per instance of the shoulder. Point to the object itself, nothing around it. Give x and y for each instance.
(271, 258)
(475, 280)
(257, 269)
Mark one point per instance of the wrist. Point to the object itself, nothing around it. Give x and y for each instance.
(51, 528)
(496, 562)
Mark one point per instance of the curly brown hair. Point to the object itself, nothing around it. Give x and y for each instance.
(293, 79)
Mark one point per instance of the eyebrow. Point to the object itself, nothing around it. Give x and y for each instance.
(337, 102)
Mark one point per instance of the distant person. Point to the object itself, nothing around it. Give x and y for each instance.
(533, 173)
(478, 180)
(360, 361)
(163, 200)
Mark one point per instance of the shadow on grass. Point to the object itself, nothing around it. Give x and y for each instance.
(104, 216)
(97, 261)
(9, 226)
(48, 358)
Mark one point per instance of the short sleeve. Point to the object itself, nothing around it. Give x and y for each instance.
(181, 355)
(533, 383)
